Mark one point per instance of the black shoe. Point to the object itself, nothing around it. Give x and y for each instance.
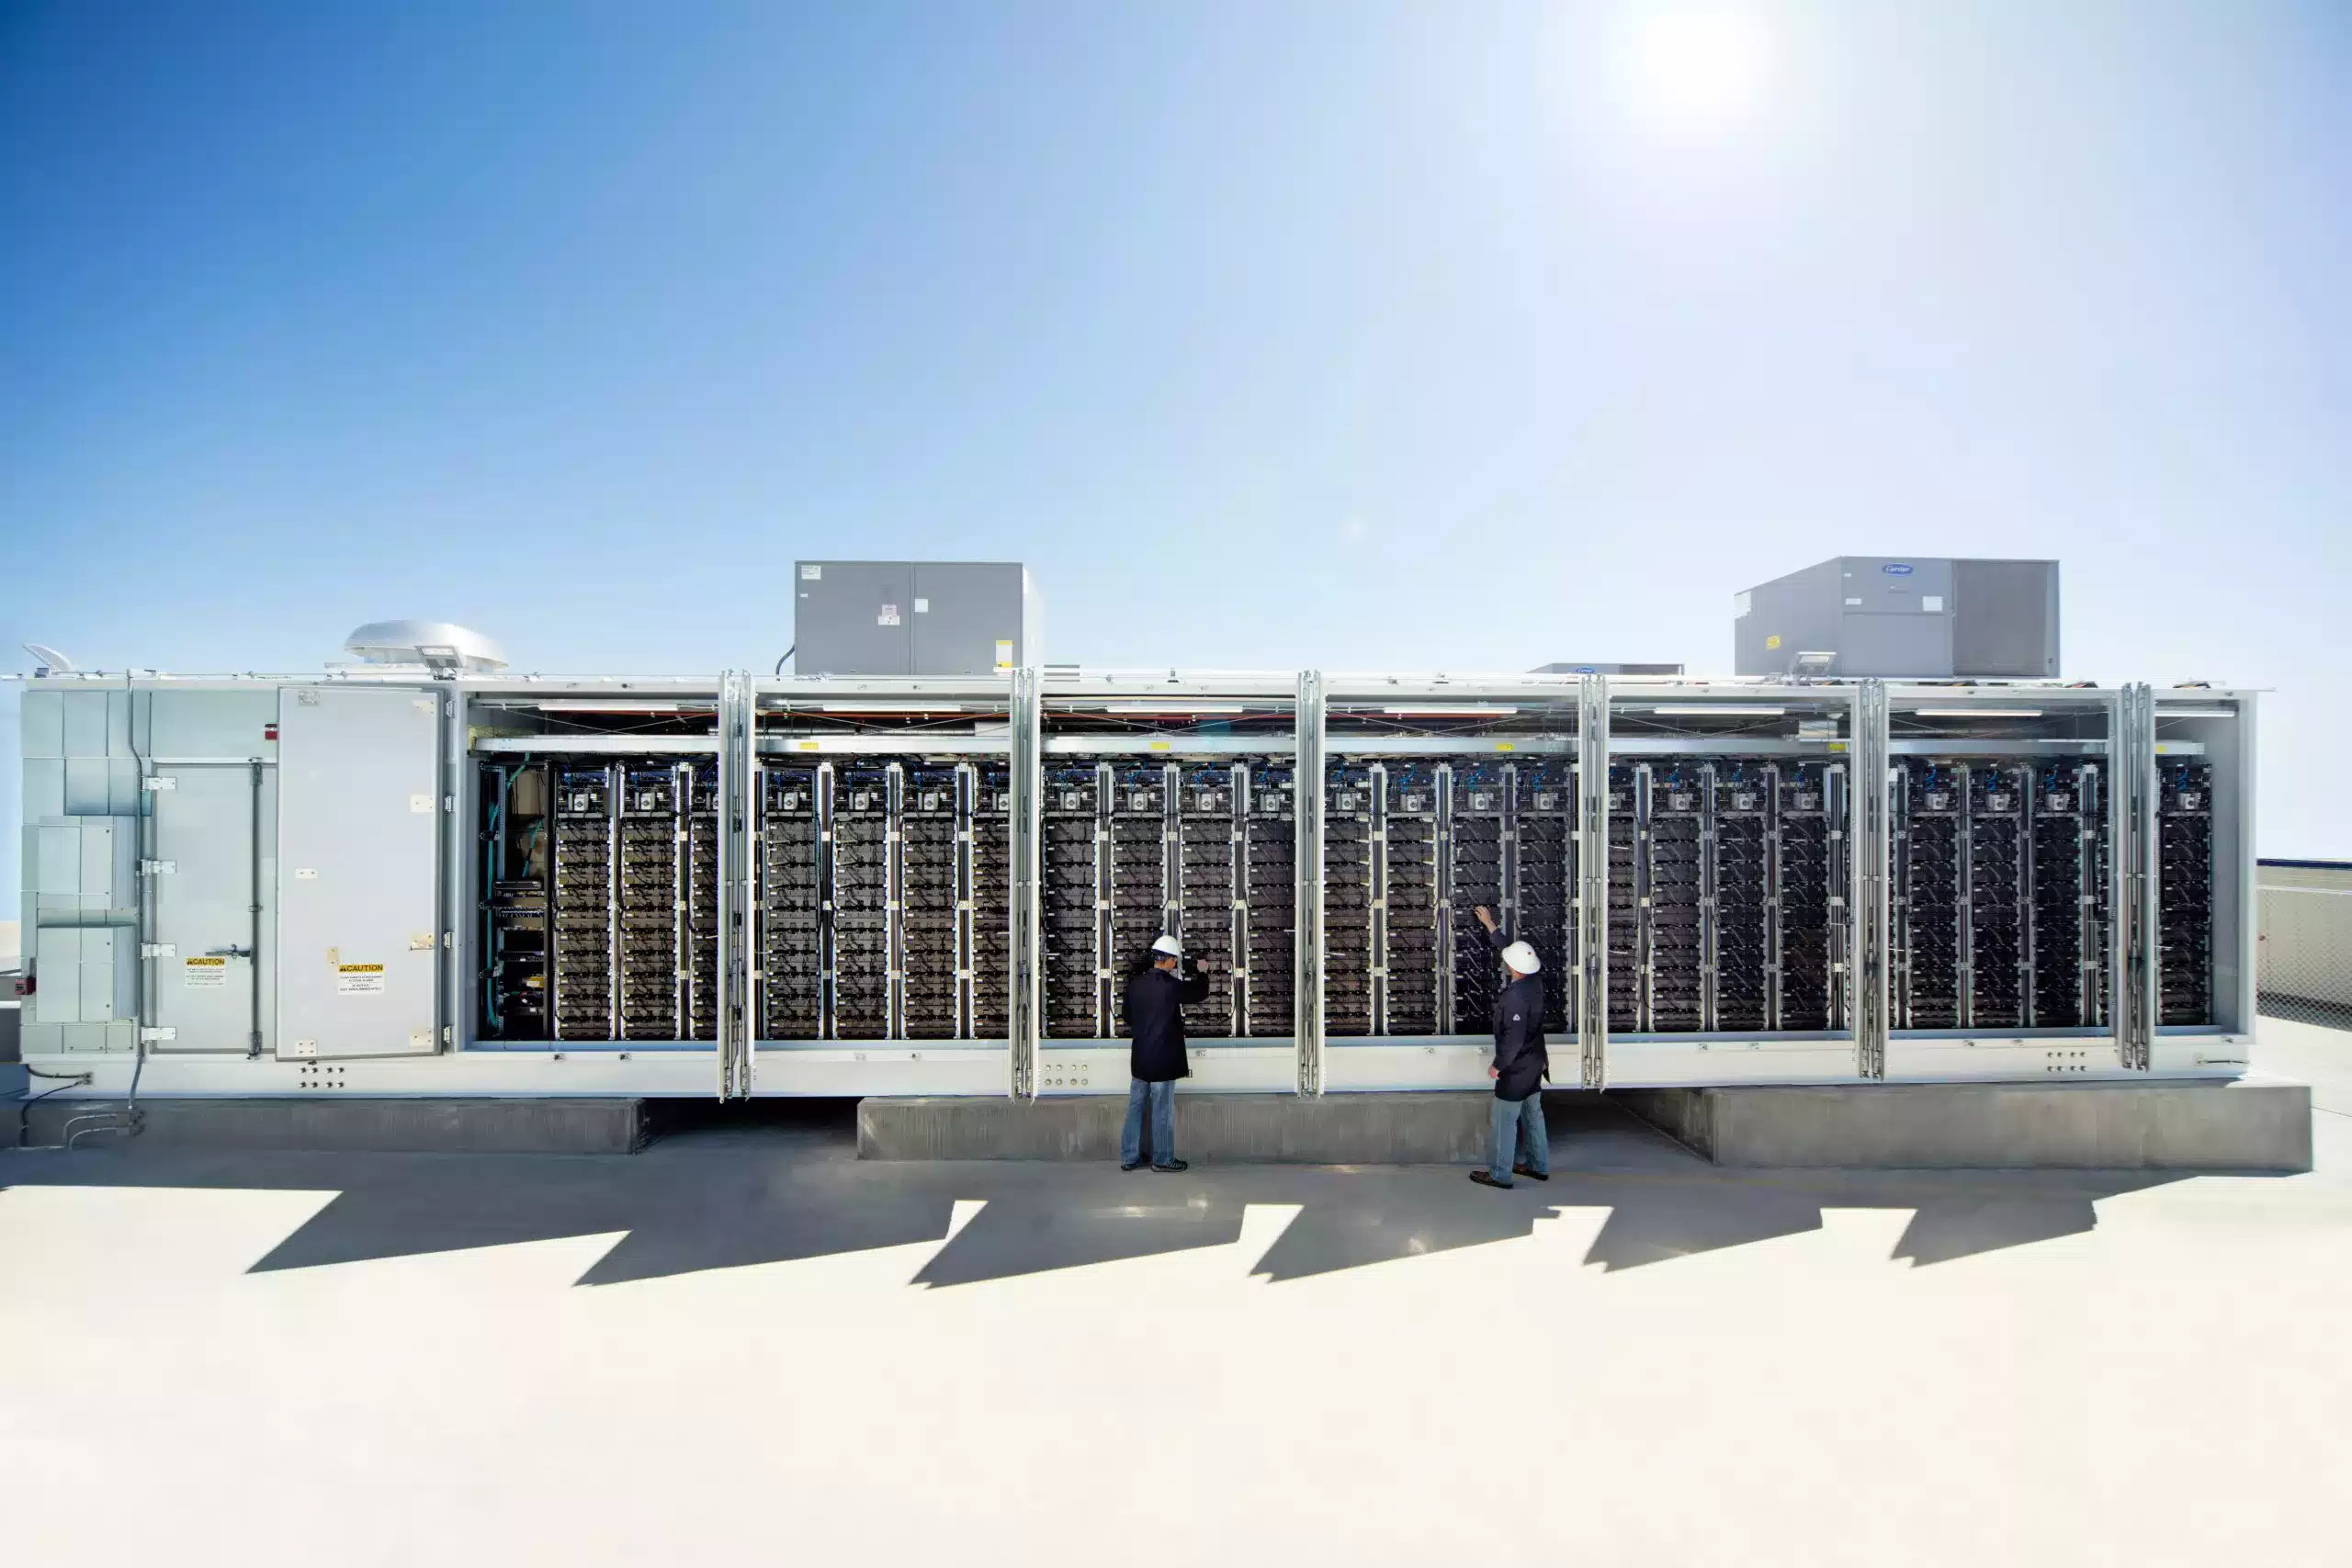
(1538, 1175)
(1172, 1168)
(1131, 1165)
(1483, 1180)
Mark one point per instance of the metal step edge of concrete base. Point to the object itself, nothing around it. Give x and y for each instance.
(355, 1123)
(1349, 1129)
(2250, 1124)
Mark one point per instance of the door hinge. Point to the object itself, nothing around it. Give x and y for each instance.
(158, 867)
(158, 950)
(159, 780)
(158, 1036)
(449, 1034)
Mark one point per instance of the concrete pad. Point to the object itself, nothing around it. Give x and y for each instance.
(361, 1124)
(1355, 1129)
(2252, 1124)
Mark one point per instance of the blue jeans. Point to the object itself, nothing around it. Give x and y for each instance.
(1518, 1138)
(1162, 1099)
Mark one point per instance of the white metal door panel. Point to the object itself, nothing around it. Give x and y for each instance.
(202, 984)
(360, 823)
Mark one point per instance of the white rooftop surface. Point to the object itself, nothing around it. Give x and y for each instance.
(746, 1346)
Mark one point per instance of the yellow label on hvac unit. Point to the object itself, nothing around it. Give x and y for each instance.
(360, 979)
(205, 973)
(1773, 642)
(1004, 653)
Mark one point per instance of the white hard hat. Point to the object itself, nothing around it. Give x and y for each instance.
(1169, 946)
(1521, 959)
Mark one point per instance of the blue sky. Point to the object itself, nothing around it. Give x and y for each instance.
(1357, 335)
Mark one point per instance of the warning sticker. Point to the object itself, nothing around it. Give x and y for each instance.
(360, 979)
(889, 616)
(204, 974)
(1773, 642)
(1004, 653)
(812, 574)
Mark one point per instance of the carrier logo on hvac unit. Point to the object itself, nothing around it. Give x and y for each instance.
(1895, 569)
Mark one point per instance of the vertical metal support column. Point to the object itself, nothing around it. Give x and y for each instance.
(894, 903)
(967, 801)
(1106, 893)
(1709, 892)
(1441, 951)
(1964, 894)
(2090, 785)
(1592, 878)
(1306, 951)
(736, 811)
(2240, 1020)
(682, 794)
(1171, 856)
(1871, 937)
(1023, 778)
(1376, 870)
(1237, 920)
(458, 1009)
(2134, 856)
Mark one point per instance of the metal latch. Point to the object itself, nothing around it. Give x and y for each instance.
(158, 867)
(158, 950)
(159, 780)
(158, 1036)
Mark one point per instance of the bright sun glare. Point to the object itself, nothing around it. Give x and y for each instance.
(1704, 63)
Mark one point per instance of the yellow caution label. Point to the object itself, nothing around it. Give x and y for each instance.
(1504, 745)
(809, 746)
(360, 979)
(1773, 642)
(1837, 745)
(208, 962)
(1160, 745)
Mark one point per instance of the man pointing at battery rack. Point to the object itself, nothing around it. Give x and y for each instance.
(1519, 1145)
(1157, 993)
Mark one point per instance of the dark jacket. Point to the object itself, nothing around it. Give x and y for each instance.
(1153, 997)
(1521, 1063)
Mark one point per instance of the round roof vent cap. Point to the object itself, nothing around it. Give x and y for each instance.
(436, 645)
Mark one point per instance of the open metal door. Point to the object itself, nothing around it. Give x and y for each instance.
(359, 824)
(1871, 928)
(739, 786)
(1307, 946)
(1023, 974)
(1592, 881)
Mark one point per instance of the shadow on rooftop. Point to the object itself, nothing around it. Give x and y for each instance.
(729, 1192)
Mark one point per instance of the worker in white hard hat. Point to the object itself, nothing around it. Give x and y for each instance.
(1157, 993)
(1520, 1144)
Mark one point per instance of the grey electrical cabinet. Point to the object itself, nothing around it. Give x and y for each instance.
(1903, 616)
(913, 617)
